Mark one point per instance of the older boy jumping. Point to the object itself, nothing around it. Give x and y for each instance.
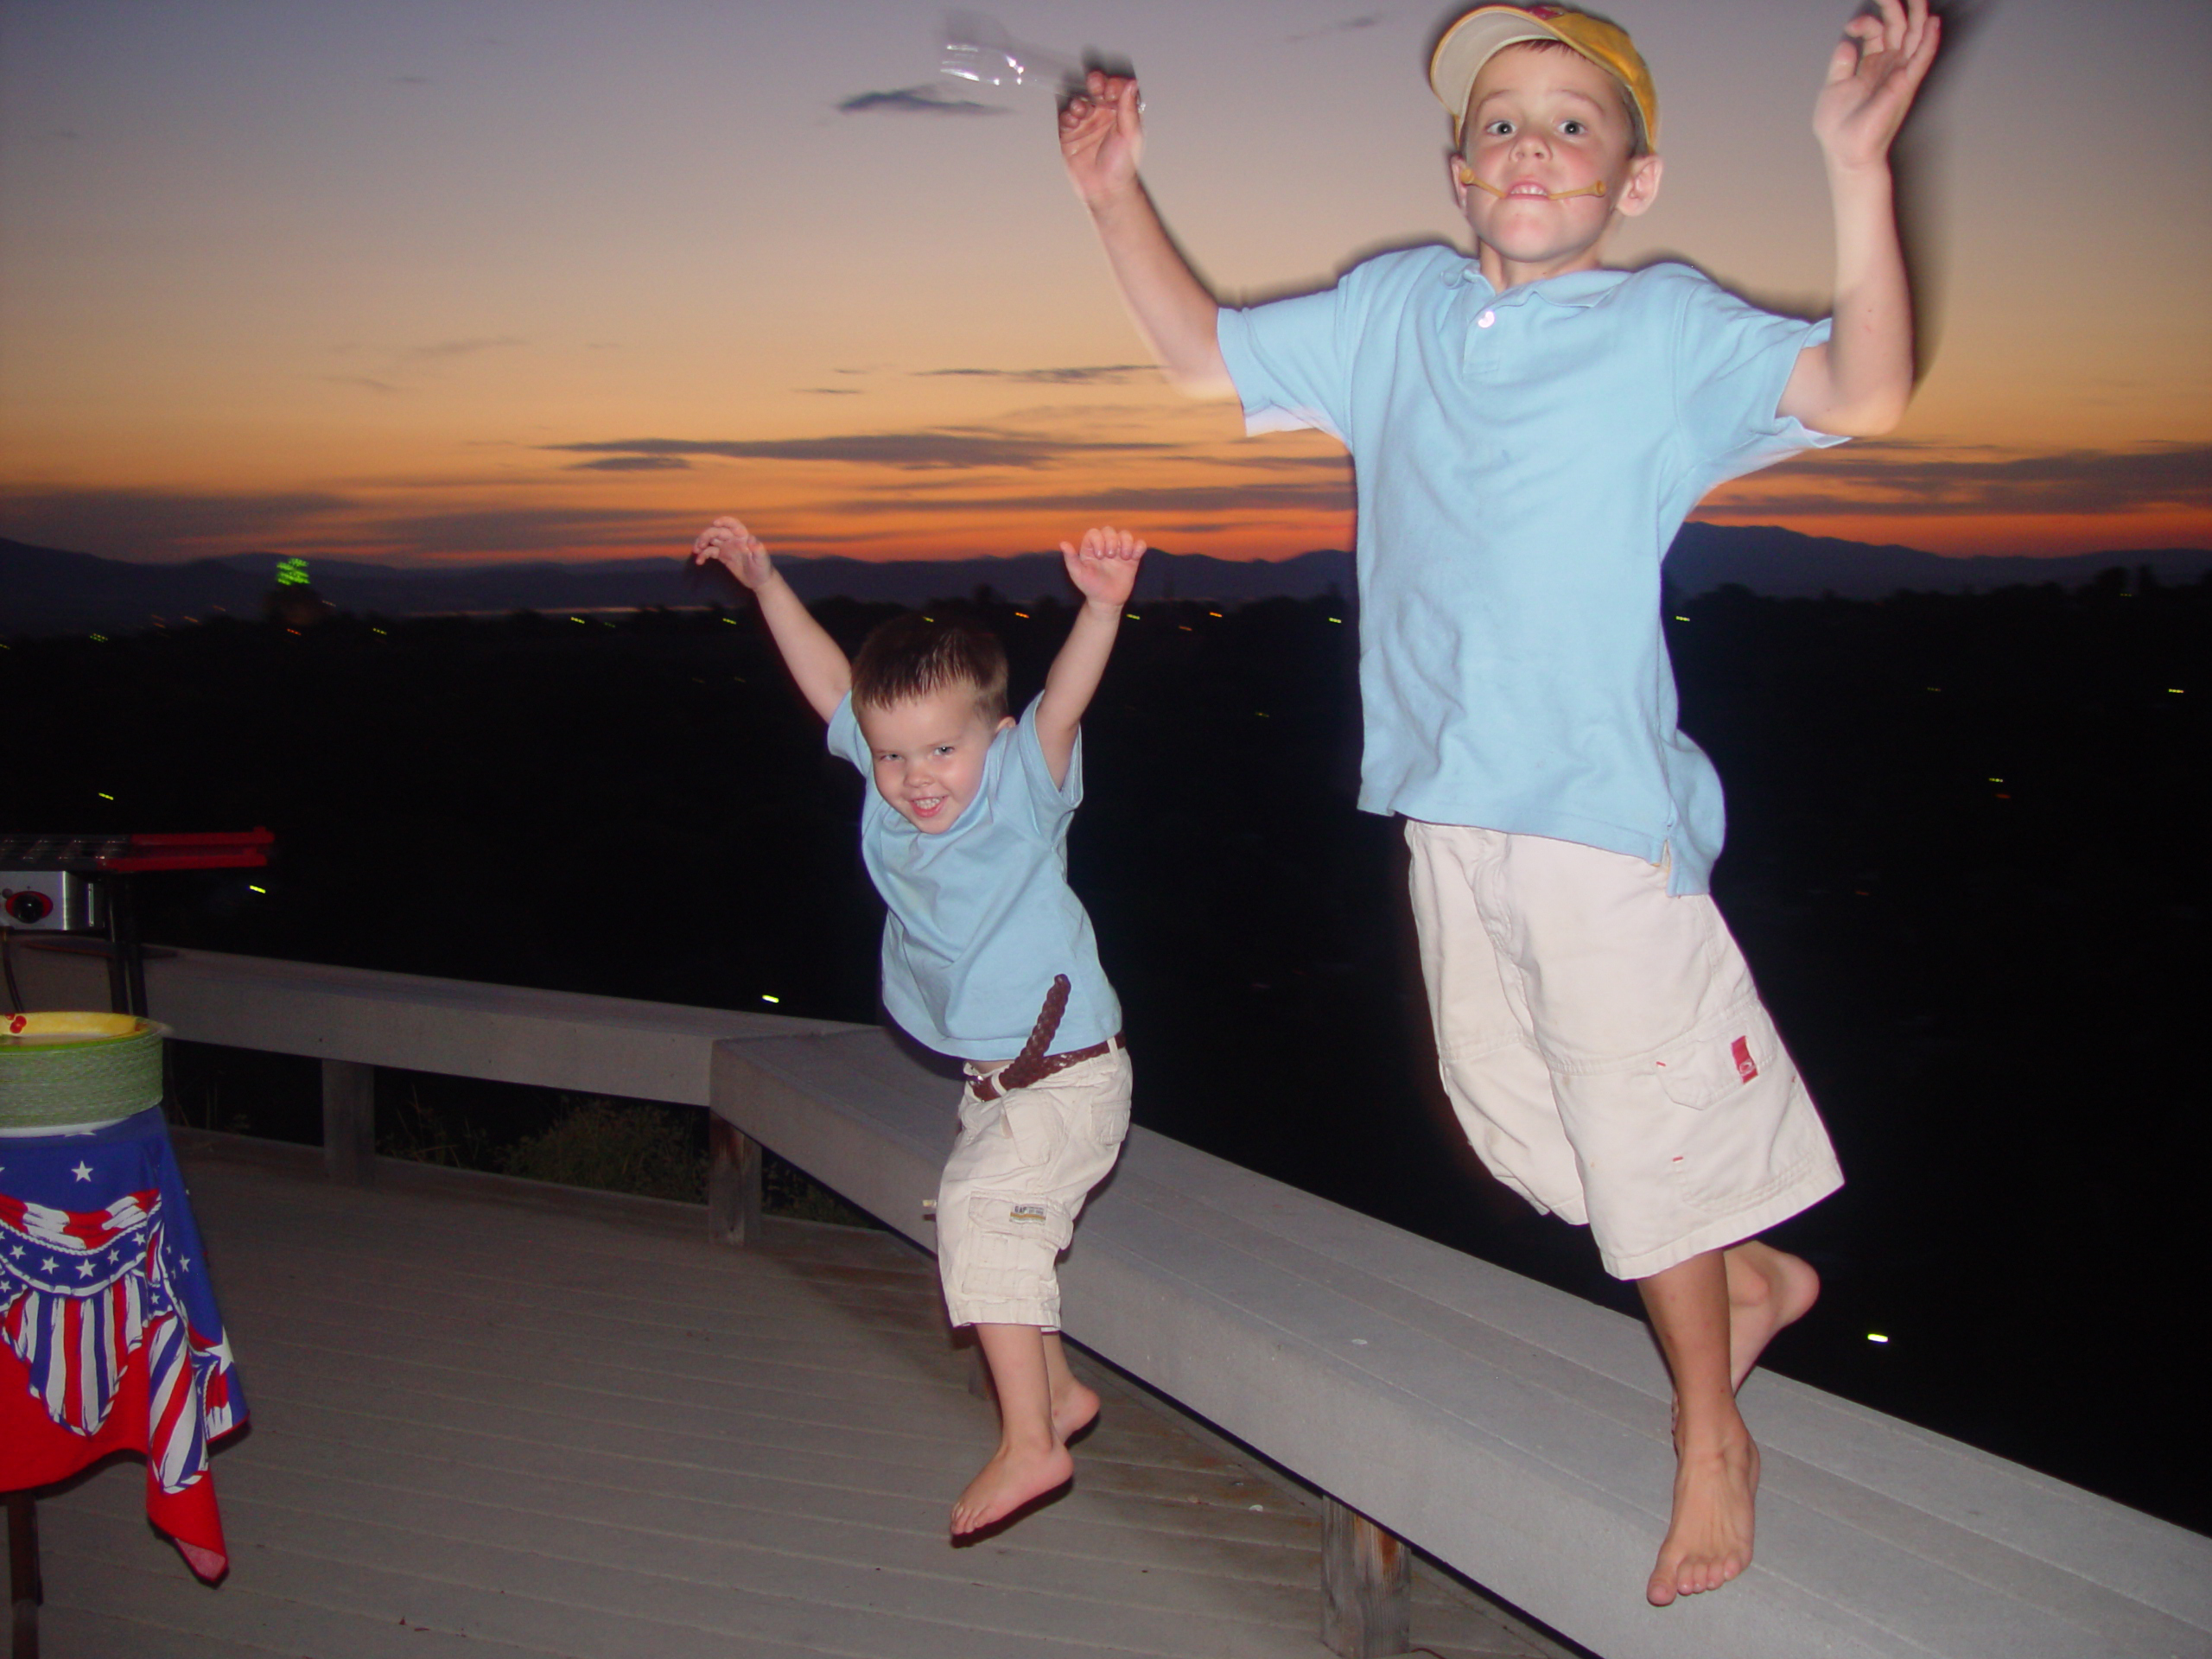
(1529, 430)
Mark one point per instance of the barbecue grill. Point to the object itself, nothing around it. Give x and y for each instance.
(81, 884)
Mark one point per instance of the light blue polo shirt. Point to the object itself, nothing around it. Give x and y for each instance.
(981, 916)
(1523, 460)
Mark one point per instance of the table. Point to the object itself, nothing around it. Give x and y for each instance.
(110, 1338)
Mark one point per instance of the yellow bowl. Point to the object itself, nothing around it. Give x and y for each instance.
(28, 1030)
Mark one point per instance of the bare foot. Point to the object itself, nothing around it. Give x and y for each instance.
(1767, 1291)
(1709, 1539)
(1074, 1406)
(1010, 1479)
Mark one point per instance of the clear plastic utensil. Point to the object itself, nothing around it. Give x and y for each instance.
(978, 49)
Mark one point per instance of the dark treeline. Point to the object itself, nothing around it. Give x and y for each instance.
(1964, 859)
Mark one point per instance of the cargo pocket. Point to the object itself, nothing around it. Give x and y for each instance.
(1109, 1125)
(1764, 1136)
(1013, 1243)
(1032, 1118)
(1709, 1064)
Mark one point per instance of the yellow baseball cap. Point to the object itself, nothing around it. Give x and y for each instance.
(1487, 31)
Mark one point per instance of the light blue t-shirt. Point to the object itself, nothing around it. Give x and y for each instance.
(982, 916)
(1523, 460)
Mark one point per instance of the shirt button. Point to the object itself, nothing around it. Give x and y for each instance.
(1486, 318)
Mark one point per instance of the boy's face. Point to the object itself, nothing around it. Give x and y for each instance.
(1540, 123)
(929, 753)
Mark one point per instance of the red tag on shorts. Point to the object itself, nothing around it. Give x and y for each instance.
(1746, 1067)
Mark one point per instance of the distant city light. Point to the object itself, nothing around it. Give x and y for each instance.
(1997, 780)
(291, 573)
(1681, 619)
(1213, 612)
(1024, 615)
(1876, 1336)
(105, 796)
(99, 638)
(2173, 691)
(1335, 618)
(251, 888)
(1133, 616)
(764, 997)
(375, 630)
(1934, 688)
(576, 618)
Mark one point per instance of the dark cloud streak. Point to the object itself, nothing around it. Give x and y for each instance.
(1899, 479)
(915, 100)
(447, 348)
(129, 521)
(521, 530)
(913, 451)
(1319, 495)
(1368, 20)
(1104, 374)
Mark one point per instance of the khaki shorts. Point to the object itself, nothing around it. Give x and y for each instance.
(1018, 1173)
(1604, 1048)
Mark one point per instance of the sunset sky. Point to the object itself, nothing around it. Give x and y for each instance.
(452, 281)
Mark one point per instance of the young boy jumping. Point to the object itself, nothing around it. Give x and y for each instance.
(1529, 430)
(987, 956)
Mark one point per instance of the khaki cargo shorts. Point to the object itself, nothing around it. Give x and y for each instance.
(1018, 1173)
(1604, 1048)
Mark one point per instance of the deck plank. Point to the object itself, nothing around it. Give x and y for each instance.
(540, 1430)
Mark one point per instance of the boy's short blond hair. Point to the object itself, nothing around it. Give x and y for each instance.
(913, 656)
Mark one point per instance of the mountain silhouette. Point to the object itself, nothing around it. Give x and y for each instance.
(49, 590)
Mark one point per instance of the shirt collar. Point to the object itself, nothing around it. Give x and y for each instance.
(1577, 288)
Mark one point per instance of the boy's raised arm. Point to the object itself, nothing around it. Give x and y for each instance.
(1102, 136)
(812, 656)
(1859, 384)
(1104, 570)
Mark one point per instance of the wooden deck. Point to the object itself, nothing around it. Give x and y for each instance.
(491, 1420)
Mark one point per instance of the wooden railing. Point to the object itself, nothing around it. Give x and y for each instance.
(1514, 1433)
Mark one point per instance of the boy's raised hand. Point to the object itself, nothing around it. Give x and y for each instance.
(1874, 76)
(1104, 568)
(816, 662)
(1102, 136)
(728, 541)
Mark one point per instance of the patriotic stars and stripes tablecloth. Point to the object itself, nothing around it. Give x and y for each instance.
(110, 1338)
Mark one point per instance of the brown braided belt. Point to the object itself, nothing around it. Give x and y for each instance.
(1034, 1065)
